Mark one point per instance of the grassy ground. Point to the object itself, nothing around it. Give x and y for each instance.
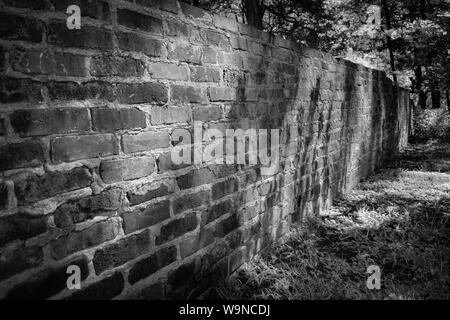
(398, 220)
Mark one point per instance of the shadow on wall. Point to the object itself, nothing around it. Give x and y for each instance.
(326, 145)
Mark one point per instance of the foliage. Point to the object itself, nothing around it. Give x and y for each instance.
(432, 124)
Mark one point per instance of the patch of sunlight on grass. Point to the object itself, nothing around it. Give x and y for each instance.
(398, 219)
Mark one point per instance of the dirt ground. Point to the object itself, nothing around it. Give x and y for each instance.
(397, 220)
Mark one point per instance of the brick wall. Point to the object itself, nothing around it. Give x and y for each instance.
(86, 121)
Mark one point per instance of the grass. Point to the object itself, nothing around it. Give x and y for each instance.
(398, 220)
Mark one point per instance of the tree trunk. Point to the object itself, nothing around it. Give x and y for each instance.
(447, 94)
(422, 94)
(389, 40)
(254, 12)
(436, 98)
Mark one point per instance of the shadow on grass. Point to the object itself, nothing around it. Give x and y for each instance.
(398, 220)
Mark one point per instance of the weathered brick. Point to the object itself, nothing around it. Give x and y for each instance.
(153, 292)
(19, 90)
(138, 21)
(165, 163)
(35, 188)
(225, 23)
(95, 9)
(79, 240)
(106, 203)
(65, 149)
(41, 122)
(169, 115)
(30, 4)
(146, 217)
(190, 201)
(145, 141)
(20, 227)
(17, 260)
(224, 188)
(224, 227)
(222, 94)
(197, 242)
(146, 267)
(166, 5)
(195, 178)
(48, 62)
(121, 252)
(239, 43)
(187, 94)
(218, 210)
(29, 153)
(105, 119)
(205, 74)
(209, 55)
(217, 39)
(169, 71)
(185, 53)
(141, 44)
(13, 27)
(86, 37)
(97, 90)
(132, 93)
(104, 289)
(112, 65)
(209, 113)
(146, 193)
(177, 228)
(194, 12)
(126, 169)
(47, 283)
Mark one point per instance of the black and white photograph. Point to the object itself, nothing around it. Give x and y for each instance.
(219, 158)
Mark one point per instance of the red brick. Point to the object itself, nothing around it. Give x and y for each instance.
(138, 21)
(29, 153)
(113, 65)
(146, 217)
(145, 141)
(169, 115)
(65, 149)
(121, 252)
(48, 62)
(222, 94)
(34, 188)
(79, 240)
(195, 178)
(126, 169)
(145, 193)
(19, 90)
(141, 44)
(132, 93)
(97, 90)
(95, 9)
(205, 74)
(41, 122)
(188, 94)
(168, 71)
(105, 119)
(224, 188)
(209, 113)
(15, 261)
(13, 27)
(185, 53)
(87, 37)
(177, 228)
(20, 227)
(190, 201)
(146, 267)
